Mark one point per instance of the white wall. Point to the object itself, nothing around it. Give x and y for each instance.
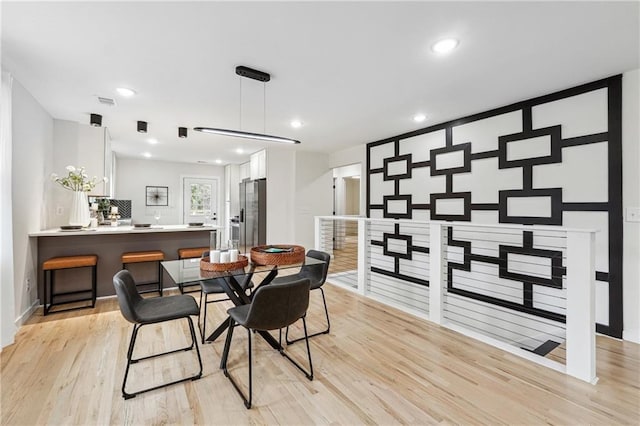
(32, 165)
(280, 195)
(7, 308)
(352, 196)
(299, 187)
(78, 145)
(313, 194)
(631, 198)
(134, 175)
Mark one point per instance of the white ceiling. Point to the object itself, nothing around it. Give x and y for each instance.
(353, 72)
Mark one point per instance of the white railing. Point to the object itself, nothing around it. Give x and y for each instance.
(526, 289)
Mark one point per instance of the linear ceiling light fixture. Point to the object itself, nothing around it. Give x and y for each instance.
(247, 72)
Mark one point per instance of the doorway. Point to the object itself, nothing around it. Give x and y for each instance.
(200, 200)
(346, 202)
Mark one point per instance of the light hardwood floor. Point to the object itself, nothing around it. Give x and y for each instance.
(378, 366)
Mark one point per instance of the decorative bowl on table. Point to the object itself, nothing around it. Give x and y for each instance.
(206, 265)
(280, 254)
(196, 224)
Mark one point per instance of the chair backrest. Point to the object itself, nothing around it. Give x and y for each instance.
(128, 296)
(277, 306)
(317, 274)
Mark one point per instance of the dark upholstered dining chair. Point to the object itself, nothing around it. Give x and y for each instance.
(142, 312)
(274, 307)
(317, 275)
(208, 287)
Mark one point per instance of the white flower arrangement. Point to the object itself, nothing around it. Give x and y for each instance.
(77, 180)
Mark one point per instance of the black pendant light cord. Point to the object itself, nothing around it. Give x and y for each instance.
(243, 71)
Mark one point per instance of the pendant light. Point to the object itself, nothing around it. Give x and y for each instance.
(247, 72)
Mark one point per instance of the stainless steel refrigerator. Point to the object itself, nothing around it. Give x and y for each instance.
(253, 214)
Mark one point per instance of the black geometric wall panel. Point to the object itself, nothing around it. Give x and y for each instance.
(403, 250)
(550, 160)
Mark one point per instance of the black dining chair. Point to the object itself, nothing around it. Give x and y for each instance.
(140, 312)
(208, 287)
(317, 275)
(274, 307)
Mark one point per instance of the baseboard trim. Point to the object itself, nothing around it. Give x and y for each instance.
(632, 335)
(27, 314)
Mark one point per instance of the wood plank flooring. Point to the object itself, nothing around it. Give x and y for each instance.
(377, 366)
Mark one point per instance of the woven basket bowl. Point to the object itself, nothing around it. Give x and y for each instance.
(289, 258)
(205, 265)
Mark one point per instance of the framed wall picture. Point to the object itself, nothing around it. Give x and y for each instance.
(157, 195)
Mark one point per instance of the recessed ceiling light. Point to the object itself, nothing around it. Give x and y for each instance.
(146, 154)
(152, 141)
(445, 46)
(218, 161)
(126, 92)
(419, 118)
(296, 124)
(239, 151)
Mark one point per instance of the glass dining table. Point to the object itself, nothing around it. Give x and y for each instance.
(188, 271)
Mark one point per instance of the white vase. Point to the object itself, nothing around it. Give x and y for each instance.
(79, 214)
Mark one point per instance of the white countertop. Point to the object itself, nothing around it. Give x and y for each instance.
(108, 230)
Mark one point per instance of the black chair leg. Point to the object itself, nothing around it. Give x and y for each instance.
(130, 360)
(204, 315)
(194, 342)
(132, 343)
(325, 331)
(308, 374)
(225, 356)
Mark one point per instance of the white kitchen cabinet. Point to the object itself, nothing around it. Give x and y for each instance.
(245, 170)
(258, 165)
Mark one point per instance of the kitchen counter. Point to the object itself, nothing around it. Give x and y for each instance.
(108, 243)
(124, 229)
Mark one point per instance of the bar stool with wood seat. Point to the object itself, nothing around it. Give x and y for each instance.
(143, 257)
(190, 253)
(68, 262)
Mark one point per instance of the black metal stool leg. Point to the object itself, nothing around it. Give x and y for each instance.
(160, 276)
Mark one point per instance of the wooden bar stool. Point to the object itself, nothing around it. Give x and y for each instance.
(68, 262)
(143, 257)
(190, 253)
